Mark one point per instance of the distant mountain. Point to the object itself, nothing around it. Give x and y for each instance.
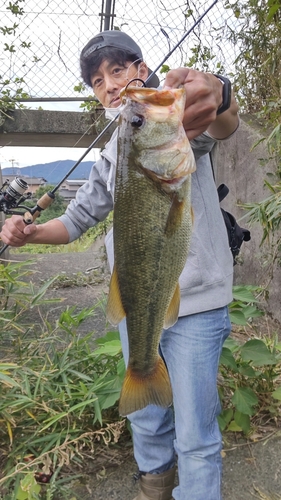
(53, 172)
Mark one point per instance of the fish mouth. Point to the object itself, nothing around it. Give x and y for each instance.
(149, 96)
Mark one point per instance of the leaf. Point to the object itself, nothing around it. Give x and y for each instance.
(244, 294)
(233, 427)
(6, 380)
(109, 400)
(256, 351)
(52, 420)
(244, 399)
(10, 432)
(110, 348)
(243, 421)
(272, 11)
(231, 344)
(121, 368)
(29, 488)
(227, 359)
(82, 404)
(277, 393)
(112, 335)
(224, 418)
(237, 317)
(251, 311)
(41, 292)
(165, 68)
(247, 371)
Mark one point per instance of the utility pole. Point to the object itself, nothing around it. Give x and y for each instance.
(5, 255)
(107, 15)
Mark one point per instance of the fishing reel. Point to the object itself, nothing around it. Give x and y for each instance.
(12, 196)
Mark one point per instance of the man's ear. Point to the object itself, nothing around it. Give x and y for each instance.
(143, 71)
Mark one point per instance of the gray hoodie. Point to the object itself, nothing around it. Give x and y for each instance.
(206, 280)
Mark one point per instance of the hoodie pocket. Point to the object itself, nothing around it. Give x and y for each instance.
(191, 275)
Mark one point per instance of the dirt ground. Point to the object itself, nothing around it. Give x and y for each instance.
(251, 469)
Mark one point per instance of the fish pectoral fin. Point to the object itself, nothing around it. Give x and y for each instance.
(175, 217)
(140, 390)
(172, 313)
(192, 215)
(114, 309)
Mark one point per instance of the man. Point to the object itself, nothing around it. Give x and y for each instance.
(192, 347)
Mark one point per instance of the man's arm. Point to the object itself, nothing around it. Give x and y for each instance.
(92, 204)
(16, 233)
(203, 99)
(226, 123)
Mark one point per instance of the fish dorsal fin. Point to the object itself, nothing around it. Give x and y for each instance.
(114, 309)
(173, 309)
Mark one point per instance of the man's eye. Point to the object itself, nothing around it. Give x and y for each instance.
(118, 71)
(97, 82)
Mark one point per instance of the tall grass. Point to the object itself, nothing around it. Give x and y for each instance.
(58, 389)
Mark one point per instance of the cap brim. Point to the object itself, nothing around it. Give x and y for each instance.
(153, 81)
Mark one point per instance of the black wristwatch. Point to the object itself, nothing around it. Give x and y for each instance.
(226, 94)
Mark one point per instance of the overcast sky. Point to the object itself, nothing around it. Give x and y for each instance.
(26, 156)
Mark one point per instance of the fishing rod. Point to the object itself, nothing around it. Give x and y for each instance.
(12, 195)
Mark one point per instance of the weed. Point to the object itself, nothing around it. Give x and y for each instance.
(59, 390)
(58, 393)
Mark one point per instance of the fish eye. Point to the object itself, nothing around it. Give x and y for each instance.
(137, 121)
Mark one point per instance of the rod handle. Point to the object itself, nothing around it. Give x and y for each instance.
(44, 202)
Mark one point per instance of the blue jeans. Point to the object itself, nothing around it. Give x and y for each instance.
(189, 431)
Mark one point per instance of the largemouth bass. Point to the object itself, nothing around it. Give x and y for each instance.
(152, 224)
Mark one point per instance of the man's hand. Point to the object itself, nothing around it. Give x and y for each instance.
(16, 233)
(203, 98)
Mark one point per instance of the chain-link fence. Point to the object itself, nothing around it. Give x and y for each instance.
(44, 48)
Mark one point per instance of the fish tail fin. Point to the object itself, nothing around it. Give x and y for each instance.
(139, 391)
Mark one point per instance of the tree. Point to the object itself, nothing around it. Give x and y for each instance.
(258, 87)
(257, 75)
(11, 88)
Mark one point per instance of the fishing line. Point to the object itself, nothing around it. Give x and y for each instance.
(48, 198)
(135, 80)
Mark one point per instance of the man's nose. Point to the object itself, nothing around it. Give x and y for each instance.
(110, 83)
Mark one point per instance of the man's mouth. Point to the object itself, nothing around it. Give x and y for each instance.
(115, 102)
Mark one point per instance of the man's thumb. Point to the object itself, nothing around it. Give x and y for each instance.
(30, 229)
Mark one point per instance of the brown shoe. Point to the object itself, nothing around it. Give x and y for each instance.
(157, 486)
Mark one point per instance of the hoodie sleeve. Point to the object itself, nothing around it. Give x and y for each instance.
(92, 203)
(202, 144)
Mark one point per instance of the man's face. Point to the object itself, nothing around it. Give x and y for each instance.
(110, 78)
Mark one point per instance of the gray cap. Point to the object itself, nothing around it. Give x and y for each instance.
(119, 40)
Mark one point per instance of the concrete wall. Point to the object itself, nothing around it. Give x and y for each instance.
(30, 127)
(238, 166)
